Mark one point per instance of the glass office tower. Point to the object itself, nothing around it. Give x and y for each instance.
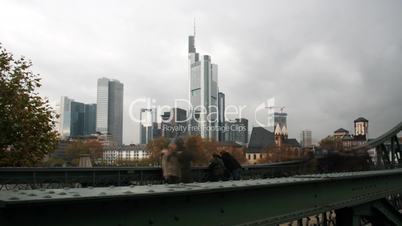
(147, 119)
(203, 93)
(109, 109)
(76, 119)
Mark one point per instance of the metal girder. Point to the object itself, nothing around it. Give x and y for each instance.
(387, 212)
(379, 212)
(381, 139)
(396, 149)
(104, 176)
(249, 202)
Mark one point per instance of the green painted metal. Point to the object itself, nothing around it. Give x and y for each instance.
(381, 139)
(250, 202)
(104, 176)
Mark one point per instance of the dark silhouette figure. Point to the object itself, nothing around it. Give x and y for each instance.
(232, 165)
(216, 168)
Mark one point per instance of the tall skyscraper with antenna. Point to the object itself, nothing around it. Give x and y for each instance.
(203, 92)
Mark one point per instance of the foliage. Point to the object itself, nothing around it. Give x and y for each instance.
(283, 153)
(203, 149)
(77, 148)
(53, 162)
(155, 148)
(27, 120)
(237, 152)
(200, 149)
(339, 162)
(331, 143)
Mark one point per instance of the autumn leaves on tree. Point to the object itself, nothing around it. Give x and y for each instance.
(201, 150)
(27, 120)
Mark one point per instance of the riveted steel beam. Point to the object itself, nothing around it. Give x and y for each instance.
(249, 202)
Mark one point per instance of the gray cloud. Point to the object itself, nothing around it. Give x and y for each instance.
(328, 62)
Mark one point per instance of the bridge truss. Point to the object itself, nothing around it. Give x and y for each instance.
(354, 197)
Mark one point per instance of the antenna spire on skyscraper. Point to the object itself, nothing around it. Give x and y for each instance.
(194, 27)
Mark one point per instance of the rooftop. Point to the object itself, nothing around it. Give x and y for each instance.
(361, 119)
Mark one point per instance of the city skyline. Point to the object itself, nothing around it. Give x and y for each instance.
(325, 77)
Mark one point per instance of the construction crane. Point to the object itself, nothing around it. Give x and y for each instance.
(276, 107)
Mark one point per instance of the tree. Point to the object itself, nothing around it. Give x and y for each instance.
(155, 148)
(331, 143)
(282, 154)
(27, 120)
(237, 153)
(201, 149)
(78, 148)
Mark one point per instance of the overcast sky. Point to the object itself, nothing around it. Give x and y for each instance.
(328, 62)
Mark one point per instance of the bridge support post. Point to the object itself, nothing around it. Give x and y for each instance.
(346, 216)
(324, 219)
(379, 212)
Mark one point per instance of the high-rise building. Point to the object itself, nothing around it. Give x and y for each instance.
(147, 119)
(280, 119)
(174, 123)
(76, 119)
(203, 93)
(237, 131)
(64, 110)
(90, 119)
(221, 116)
(109, 109)
(305, 138)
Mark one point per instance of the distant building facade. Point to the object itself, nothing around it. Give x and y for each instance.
(262, 139)
(174, 123)
(147, 119)
(76, 119)
(280, 118)
(64, 120)
(221, 116)
(361, 128)
(113, 154)
(351, 140)
(236, 131)
(109, 109)
(203, 93)
(306, 138)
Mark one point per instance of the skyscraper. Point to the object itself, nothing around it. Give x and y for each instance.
(203, 93)
(237, 131)
(90, 119)
(147, 118)
(109, 109)
(221, 116)
(64, 110)
(280, 118)
(76, 119)
(174, 123)
(305, 138)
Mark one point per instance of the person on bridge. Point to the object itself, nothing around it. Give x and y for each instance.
(185, 159)
(232, 165)
(216, 168)
(170, 164)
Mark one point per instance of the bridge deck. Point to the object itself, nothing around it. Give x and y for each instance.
(248, 202)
